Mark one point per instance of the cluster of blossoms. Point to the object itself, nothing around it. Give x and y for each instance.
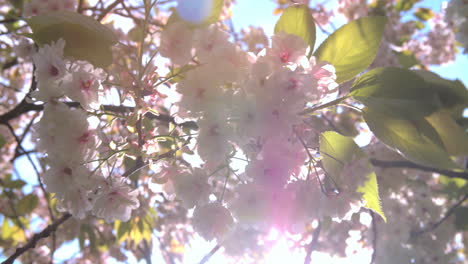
(352, 9)
(436, 46)
(70, 142)
(413, 203)
(250, 104)
(37, 7)
(457, 15)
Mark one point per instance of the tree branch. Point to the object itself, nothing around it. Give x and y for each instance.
(38, 236)
(210, 254)
(374, 236)
(313, 244)
(25, 107)
(108, 9)
(432, 227)
(411, 165)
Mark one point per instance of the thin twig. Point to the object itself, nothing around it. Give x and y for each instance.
(322, 106)
(25, 107)
(438, 223)
(108, 9)
(38, 236)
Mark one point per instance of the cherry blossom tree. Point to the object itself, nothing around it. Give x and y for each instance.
(138, 142)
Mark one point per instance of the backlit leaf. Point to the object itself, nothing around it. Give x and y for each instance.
(337, 150)
(412, 139)
(297, 20)
(86, 38)
(396, 91)
(352, 48)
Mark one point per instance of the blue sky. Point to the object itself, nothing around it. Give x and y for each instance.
(260, 13)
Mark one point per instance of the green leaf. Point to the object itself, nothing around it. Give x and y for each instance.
(297, 20)
(18, 4)
(396, 91)
(419, 24)
(407, 59)
(452, 94)
(27, 204)
(88, 231)
(352, 48)
(424, 14)
(337, 150)
(14, 184)
(453, 188)
(178, 74)
(370, 195)
(86, 38)
(405, 5)
(123, 228)
(416, 140)
(2, 141)
(452, 135)
(136, 34)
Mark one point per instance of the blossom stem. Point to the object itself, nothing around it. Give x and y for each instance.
(318, 107)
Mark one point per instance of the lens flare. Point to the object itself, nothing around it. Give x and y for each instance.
(194, 11)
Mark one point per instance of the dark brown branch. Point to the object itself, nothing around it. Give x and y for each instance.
(108, 9)
(411, 165)
(374, 236)
(432, 227)
(210, 254)
(80, 6)
(146, 250)
(313, 244)
(46, 195)
(24, 107)
(8, 20)
(32, 243)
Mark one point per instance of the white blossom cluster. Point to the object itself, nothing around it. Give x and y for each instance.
(457, 14)
(69, 141)
(412, 205)
(251, 103)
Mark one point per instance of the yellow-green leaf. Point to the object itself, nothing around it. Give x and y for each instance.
(424, 14)
(86, 38)
(337, 150)
(297, 20)
(453, 136)
(2, 141)
(414, 140)
(352, 48)
(12, 231)
(370, 195)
